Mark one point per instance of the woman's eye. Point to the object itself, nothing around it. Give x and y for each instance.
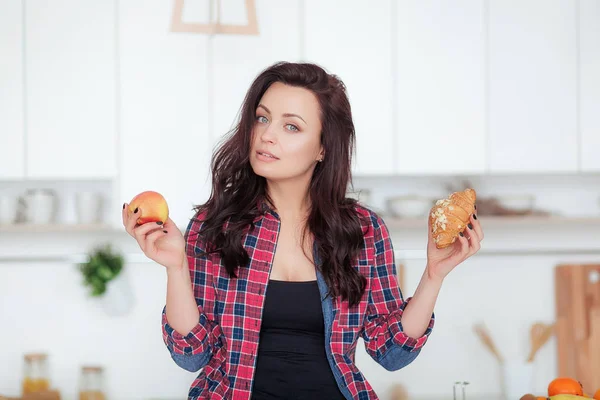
(291, 127)
(261, 119)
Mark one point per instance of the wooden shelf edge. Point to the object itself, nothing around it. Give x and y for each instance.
(391, 221)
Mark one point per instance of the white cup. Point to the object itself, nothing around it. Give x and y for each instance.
(88, 207)
(40, 206)
(9, 208)
(517, 379)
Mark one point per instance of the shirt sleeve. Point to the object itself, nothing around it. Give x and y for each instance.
(384, 337)
(194, 350)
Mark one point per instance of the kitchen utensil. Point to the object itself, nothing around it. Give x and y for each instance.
(485, 337)
(577, 297)
(539, 334)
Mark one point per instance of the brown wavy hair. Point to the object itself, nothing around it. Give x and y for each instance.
(237, 191)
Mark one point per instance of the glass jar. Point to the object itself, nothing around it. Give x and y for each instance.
(91, 385)
(35, 374)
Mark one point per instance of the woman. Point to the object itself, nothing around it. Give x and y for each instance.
(278, 273)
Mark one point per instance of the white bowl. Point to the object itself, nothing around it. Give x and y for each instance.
(409, 206)
(517, 202)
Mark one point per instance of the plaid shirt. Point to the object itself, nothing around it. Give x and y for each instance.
(224, 343)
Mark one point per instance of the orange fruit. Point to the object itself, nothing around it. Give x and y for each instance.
(565, 385)
(597, 395)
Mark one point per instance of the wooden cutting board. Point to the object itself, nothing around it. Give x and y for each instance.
(577, 289)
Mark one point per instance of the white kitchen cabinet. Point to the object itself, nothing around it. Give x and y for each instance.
(356, 45)
(589, 84)
(12, 162)
(439, 78)
(165, 142)
(70, 94)
(238, 59)
(533, 86)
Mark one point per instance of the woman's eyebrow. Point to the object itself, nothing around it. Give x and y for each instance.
(285, 115)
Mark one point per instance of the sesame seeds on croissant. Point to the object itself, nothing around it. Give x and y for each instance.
(450, 216)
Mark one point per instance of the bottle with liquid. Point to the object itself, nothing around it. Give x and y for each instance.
(35, 374)
(91, 385)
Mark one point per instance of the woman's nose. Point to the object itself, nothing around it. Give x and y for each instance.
(269, 134)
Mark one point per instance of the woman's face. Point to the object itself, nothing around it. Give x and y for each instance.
(286, 142)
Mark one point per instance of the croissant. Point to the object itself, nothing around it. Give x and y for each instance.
(450, 216)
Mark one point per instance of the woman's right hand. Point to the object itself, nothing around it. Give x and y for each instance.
(164, 244)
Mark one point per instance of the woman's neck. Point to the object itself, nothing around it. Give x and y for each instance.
(290, 199)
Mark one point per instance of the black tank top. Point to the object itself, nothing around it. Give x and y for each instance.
(291, 362)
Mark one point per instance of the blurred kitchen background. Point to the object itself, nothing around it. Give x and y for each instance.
(100, 100)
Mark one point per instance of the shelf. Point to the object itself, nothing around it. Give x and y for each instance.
(55, 228)
(391, 221)
(499, 221)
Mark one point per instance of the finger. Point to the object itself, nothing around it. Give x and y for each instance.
(169, 224)
(464, 243)
(477, 226)
(473, 239)
(151, 238)
(140, 232)
(124, 213)
(131, 220)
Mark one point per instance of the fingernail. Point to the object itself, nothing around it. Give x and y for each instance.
(136, 210)
(165, 231)
(470, 225)
(159, 222)
(123, 206)
(461, 234)
(475, 205)
(474, 216)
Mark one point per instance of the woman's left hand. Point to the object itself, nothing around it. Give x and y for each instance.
(440, 262)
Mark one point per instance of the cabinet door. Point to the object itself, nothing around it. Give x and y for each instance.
(238, 59)
(70, 88)
(533, 86)
(439, 76)
(12, 162)
(356, 46)
(589, 45)
(165, 143)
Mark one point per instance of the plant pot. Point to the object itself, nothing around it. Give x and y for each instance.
(118, 300)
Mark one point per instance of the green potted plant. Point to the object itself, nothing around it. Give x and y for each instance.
(103, 264)
(104, 275)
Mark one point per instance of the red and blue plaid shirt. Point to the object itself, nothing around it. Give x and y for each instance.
(224, 343)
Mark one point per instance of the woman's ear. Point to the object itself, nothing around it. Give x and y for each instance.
(321, 154)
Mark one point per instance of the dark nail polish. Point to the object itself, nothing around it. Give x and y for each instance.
(461, 234)
(474, 216)
(165, 231)
(470, 225)
(136, 210)
(475, 205)
(159, 222)
(123, 206)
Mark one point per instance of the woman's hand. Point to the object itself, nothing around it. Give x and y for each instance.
(164, 244)
(441, 261)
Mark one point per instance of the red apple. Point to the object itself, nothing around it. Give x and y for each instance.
(152, 207)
